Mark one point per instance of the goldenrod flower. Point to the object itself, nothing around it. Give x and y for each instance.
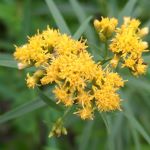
(128, 45)
(107, 99)
(85, 113)
(105, 27)
(38, 49)
(79, 80)
(63, 96)
(114, 62)
(31, 81)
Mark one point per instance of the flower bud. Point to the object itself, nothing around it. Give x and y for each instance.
(143, 32)
(21, 66)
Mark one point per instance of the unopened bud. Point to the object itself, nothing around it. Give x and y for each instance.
(21, 66)
(39, 73)
(114, 61)
(97, 25)
(31, 81)
(145, 45)
(64, 131)
(143, 32)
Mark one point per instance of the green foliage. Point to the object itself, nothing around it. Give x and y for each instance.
(24, 128)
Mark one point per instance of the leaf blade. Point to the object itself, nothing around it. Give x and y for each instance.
(127, 10)
(21, 110)
(57, 17)
(48, 101)
(81, 15)
(82, 28)
(8, 63)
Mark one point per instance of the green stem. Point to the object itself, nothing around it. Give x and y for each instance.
(66, 113)
(106, 50)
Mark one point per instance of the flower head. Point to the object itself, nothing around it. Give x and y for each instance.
(129, 46)
(79, 80)
(105, 27)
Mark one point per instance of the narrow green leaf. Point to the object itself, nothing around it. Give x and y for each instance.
(8, 63)
(6, 56)
(146, 24)
(6, 45)
(116, 128)
(144, 83)
(135, 138)
(82, 28)
(57, 17)
(127, 10)
(81, 15)
(106, 121)
(21, 110)
(105, 61)
(79, 11)
(48, 101)
(85, 137)
(138, 126)
(128, 114)
(26, 21)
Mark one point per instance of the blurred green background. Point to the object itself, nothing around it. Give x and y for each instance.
(127, 130)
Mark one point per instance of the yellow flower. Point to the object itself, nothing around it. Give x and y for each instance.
(114, 62)
(31, 81)
(105, 27)
(140, 68)
(107, 99)
(38, 49)
(128, 45)
(113, 79)
(85, 113)
(79, 80)
(142, 32)
(84, 99)
(67, 45)
(63, 96)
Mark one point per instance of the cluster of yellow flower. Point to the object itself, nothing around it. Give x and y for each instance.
(105, 27)
(79, 80)
(127, 44)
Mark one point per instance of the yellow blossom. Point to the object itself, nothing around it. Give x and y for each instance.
(144, 31)
(31, 81)
(63, 96)
(128, 45)
(68, 45)
(79, 79)
(85, 113)
(105, 27)
(107, 99)
(114, 62)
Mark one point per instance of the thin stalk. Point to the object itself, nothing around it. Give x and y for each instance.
(106, 50)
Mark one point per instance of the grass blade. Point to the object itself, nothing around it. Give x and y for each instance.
(106, 121)
(81, 15)
(6, 56)
(136, 138)
(48, 101)
(8, 63)
(82, 28)
(6, 45)
(86, 136)
(127, 10)
(116, 127)
(21, 110)
(57, 17)
(128, 114)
